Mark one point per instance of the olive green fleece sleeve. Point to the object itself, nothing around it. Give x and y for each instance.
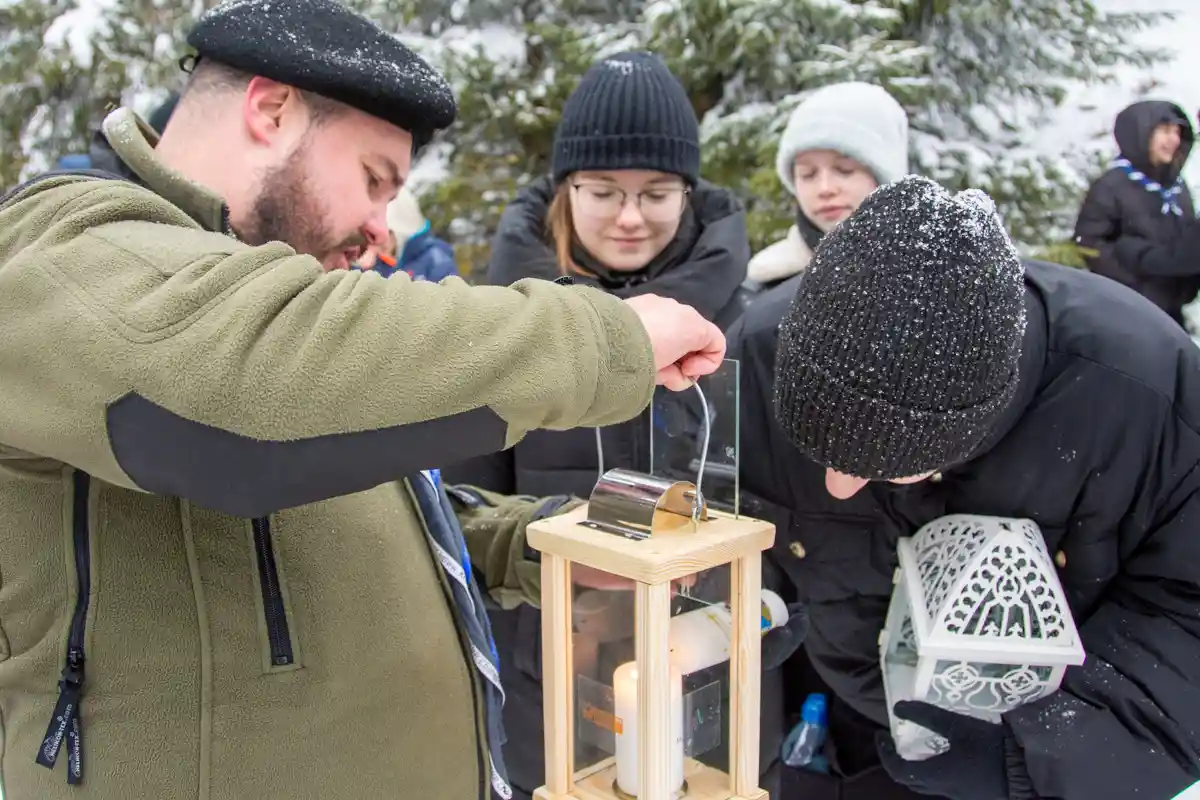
(494, 527)
(157, 355)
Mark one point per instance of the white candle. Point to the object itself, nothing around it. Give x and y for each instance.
(625, 695)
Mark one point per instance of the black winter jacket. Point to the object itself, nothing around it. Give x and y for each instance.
(704, 267)
(1120, 220)
(1101, 448)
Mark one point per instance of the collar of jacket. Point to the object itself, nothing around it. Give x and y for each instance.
(780, 260)
(133, 141)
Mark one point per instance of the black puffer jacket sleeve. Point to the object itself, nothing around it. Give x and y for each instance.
(1099, 226)
(519, 249)
(1128, 715)
(1179, 258)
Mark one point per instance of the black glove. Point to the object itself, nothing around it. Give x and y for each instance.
(976, 767)
(779, 643)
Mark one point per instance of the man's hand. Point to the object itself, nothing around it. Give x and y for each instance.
(978, 765)
(686, 345)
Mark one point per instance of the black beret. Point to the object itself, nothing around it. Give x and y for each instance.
(323, 47)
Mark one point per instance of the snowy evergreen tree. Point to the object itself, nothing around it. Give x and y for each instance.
(996, 67)
(64, 65)
(974, 77)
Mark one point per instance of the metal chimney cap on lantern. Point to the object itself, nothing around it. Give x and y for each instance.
(638, 506)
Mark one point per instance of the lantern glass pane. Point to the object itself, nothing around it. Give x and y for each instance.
(603, 624)
(700, 642)
(605, 677)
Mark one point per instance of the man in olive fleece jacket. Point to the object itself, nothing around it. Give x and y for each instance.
(204, 543)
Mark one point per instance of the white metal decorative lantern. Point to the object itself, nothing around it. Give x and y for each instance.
(978, 624)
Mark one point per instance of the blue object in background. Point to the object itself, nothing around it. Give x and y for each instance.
(802, 747)
(75, 161)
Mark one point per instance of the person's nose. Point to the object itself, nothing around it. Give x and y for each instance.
(826, 186)
(375, 230)
(842, 486)
(630, 216)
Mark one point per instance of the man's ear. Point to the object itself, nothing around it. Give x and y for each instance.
(271, 110)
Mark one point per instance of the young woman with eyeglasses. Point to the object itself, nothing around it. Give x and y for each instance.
(624, 210)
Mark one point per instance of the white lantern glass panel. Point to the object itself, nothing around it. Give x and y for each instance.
(978, 623)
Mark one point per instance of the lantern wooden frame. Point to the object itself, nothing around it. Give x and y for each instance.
(653, 563)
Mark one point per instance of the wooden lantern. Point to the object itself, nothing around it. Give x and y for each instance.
(653, 533)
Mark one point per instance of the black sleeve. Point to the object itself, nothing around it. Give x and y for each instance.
(495, 472)
(1124, 724)
(519, 248)
(1097, 229)
(758, 488)
(1177, 259)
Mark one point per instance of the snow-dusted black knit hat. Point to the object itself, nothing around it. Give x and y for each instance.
(325, 48)
(628, 112)
(901, 347)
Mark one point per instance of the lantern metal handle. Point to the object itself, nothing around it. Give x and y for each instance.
(698, 504)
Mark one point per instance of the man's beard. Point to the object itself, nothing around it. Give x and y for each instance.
(287, 209)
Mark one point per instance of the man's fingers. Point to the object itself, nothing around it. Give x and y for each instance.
(671, 377)
(708, 340)
(698, 364)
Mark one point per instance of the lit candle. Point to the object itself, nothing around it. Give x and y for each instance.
(625, 695)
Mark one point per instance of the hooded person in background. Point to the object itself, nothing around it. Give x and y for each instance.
(229, 569)
(840, 143)
(918, 369)
(1141, 204)
(411, 246)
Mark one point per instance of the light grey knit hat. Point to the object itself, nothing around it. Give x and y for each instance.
(857, 119)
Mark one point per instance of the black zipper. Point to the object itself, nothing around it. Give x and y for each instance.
(268, 579)
(65, 722)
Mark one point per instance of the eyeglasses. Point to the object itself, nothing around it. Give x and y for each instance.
(602, 201)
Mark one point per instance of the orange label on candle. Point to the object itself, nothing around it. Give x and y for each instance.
(603, 719)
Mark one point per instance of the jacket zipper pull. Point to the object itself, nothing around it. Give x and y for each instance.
(65, 722)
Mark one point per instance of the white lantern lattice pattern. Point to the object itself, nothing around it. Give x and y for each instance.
(978, 623)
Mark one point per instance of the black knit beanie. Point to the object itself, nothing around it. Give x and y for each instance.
(628, 112)
(901, 347)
